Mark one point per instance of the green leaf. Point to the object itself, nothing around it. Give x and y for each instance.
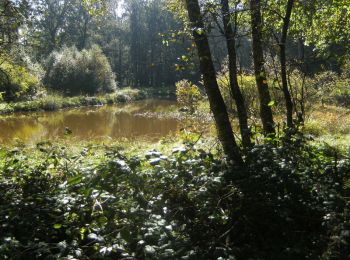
(102, 220)
(82, 233)
(271, 103)
(75, 180)
(57, 226)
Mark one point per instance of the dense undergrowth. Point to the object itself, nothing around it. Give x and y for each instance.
(290, 202)
(56, 102)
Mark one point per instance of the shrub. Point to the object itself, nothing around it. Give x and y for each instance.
(188, 95)
(224, 85)
(17, 81)
(290, 202)
(79, 72)
(248, 87)
(332, 88)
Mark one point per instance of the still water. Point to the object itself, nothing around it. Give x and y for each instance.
(116, 122)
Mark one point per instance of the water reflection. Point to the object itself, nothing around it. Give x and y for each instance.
(98, 123)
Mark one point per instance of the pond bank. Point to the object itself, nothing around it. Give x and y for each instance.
(56, 102)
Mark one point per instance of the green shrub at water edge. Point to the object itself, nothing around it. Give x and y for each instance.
(188, 95)
(76, 72)
(17, 81)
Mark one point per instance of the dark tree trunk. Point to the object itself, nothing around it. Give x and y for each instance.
(260, 74)
(282, 44)
(235, 90)
(216, 101)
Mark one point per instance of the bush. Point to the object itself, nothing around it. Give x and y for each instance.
(188, 95)
(248, 87)
(290, 202)
(332, 88)
(17, 81)
(79, 72)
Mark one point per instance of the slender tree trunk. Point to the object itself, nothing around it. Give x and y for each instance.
(217, 104)
(260, 74)
(301, 57)
(120, 64)
(235, 90)
(282, 44)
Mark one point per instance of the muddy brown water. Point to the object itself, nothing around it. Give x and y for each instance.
(117, 122)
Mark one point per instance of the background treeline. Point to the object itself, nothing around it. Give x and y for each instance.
(138, 38)
(144, 43)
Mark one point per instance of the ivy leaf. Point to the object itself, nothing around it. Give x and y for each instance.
(75, 180)
(271, 103)
(57, 226)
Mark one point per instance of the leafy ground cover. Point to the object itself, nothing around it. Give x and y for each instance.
(100, 202)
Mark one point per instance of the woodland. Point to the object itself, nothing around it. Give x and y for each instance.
(175, 129)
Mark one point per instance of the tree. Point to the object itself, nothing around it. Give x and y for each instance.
(50, 23)
(319, 27)
(13, 14)
(15, 79)
(282, 45)
(235, 90)
(325, 25)
(216, 101)
(260, 73)
(274, 16)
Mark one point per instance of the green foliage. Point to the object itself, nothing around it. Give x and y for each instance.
(54, 102)
(17, 81)
(13, 15)
(247, 85)
(327, 27)
(188, 95)
(79, 72)
(289, 203)
(332, 88)
(326, 87)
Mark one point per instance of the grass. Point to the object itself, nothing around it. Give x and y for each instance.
(325, 124)
(329, 124)
(55, 102)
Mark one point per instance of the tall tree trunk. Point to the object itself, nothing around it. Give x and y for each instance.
(217, 104)
(120, 64)
(282, 44)
(260, 74)
(85, 29)
(235, 90)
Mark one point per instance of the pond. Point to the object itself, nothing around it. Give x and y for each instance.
(117, 122)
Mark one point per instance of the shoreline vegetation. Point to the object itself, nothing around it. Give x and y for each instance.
(54, 102)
